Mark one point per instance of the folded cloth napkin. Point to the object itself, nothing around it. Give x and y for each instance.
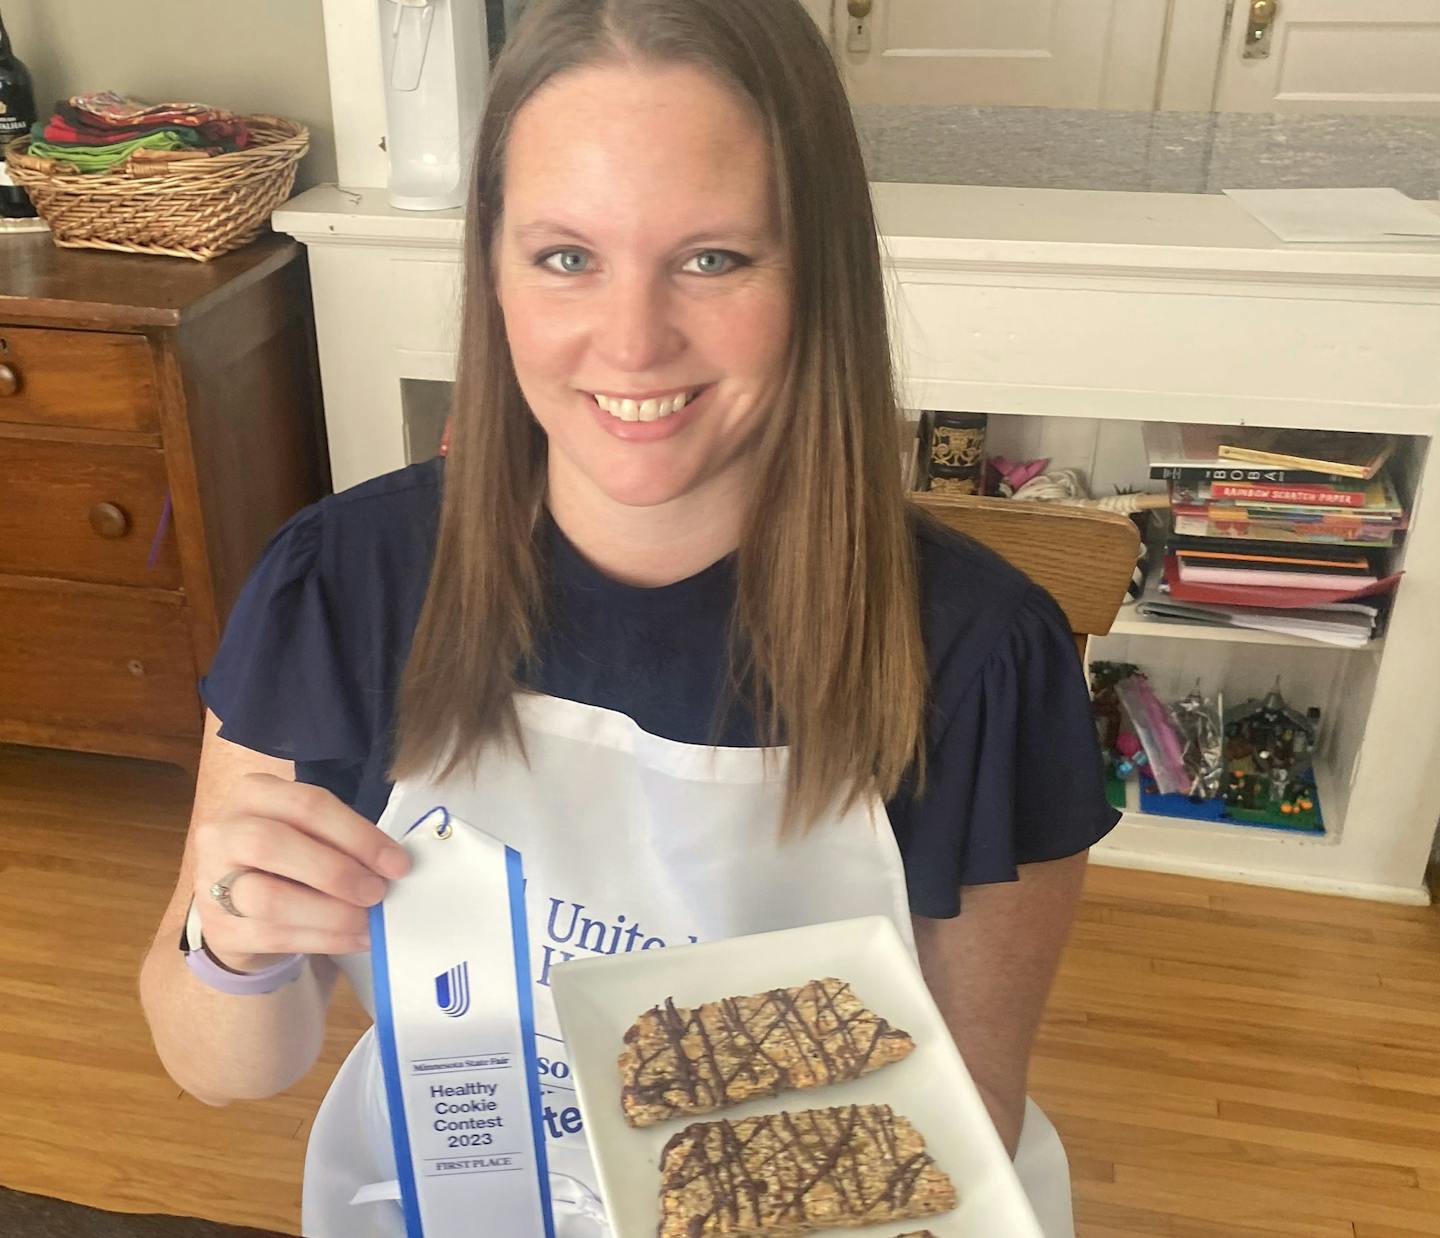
(59, 132)
(108, 110)
(100, 119)
(97, 132)
(103, 158)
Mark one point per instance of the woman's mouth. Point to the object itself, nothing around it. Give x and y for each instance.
(653, 408)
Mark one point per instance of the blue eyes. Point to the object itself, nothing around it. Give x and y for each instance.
(724, 261)
(706, 262)
(572, 261)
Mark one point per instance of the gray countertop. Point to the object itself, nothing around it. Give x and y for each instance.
(1167, 152)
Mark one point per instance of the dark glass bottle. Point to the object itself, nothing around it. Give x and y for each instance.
(17, 114)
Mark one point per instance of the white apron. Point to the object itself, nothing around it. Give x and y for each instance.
(629, 842)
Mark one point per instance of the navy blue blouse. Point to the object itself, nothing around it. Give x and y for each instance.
(311, 657)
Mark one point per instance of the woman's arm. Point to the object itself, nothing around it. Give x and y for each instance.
(990, 970)
(216, 1046)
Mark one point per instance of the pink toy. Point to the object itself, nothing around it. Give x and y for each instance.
(1157, 733)
(1127, 744)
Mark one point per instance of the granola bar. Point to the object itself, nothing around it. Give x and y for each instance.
(690, 1062)
(790, 1173)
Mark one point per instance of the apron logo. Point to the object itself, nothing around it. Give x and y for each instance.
(452, 990)
(595, 936)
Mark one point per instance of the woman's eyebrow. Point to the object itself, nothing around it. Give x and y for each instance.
(734, 233)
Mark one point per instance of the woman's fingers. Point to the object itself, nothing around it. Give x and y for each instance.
(245, 945)
(266, 899)
(281, 917)
(276, 847)
(306, 869)
(322, 816)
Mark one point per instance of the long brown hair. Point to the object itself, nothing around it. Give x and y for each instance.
(827, 629)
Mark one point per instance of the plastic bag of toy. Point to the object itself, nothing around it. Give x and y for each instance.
(1158, 734)
(1198, 719)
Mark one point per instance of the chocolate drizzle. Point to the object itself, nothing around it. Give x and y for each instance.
(790, 1173)
(680, 1061)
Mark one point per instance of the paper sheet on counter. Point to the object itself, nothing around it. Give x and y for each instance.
(1344, 215)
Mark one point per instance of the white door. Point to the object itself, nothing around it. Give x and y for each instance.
(1336, 56)
(1042, 53)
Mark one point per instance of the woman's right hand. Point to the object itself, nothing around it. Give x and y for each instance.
(315, 868)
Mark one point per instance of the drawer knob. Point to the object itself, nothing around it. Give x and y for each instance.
(136, 668)
(108, 520)
(9, 380)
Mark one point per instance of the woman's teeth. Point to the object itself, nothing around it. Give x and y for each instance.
(643, 410)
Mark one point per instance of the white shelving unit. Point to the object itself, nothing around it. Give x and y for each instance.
(1071, 317)
(1241, 664)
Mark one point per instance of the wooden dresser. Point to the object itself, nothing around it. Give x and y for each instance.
(159, 419)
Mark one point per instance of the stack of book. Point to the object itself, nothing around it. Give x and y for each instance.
(1283, 530)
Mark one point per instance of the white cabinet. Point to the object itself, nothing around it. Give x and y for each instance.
(1071, 317)
(1052, 53)
(1337, 56)
(1319, 56)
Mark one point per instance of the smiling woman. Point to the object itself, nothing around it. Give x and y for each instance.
(662, 626)
(707, 232)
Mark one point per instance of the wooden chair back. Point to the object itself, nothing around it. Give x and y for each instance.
(1084, 556)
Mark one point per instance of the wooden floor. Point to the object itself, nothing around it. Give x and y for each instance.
(1221, 1060)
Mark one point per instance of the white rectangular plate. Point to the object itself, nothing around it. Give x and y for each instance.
(598, 999)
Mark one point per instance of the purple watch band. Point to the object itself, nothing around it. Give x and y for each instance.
(203, 966)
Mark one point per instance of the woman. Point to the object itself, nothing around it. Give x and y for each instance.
(669, 555)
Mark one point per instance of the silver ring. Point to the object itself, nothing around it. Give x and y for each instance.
(220, 890)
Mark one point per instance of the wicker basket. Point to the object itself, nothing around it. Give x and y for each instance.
(184, 204)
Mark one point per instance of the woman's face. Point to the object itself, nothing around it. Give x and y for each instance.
(639, 266)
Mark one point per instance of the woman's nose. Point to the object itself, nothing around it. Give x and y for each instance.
(634, 329)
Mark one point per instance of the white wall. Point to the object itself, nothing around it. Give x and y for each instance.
(253, 56)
